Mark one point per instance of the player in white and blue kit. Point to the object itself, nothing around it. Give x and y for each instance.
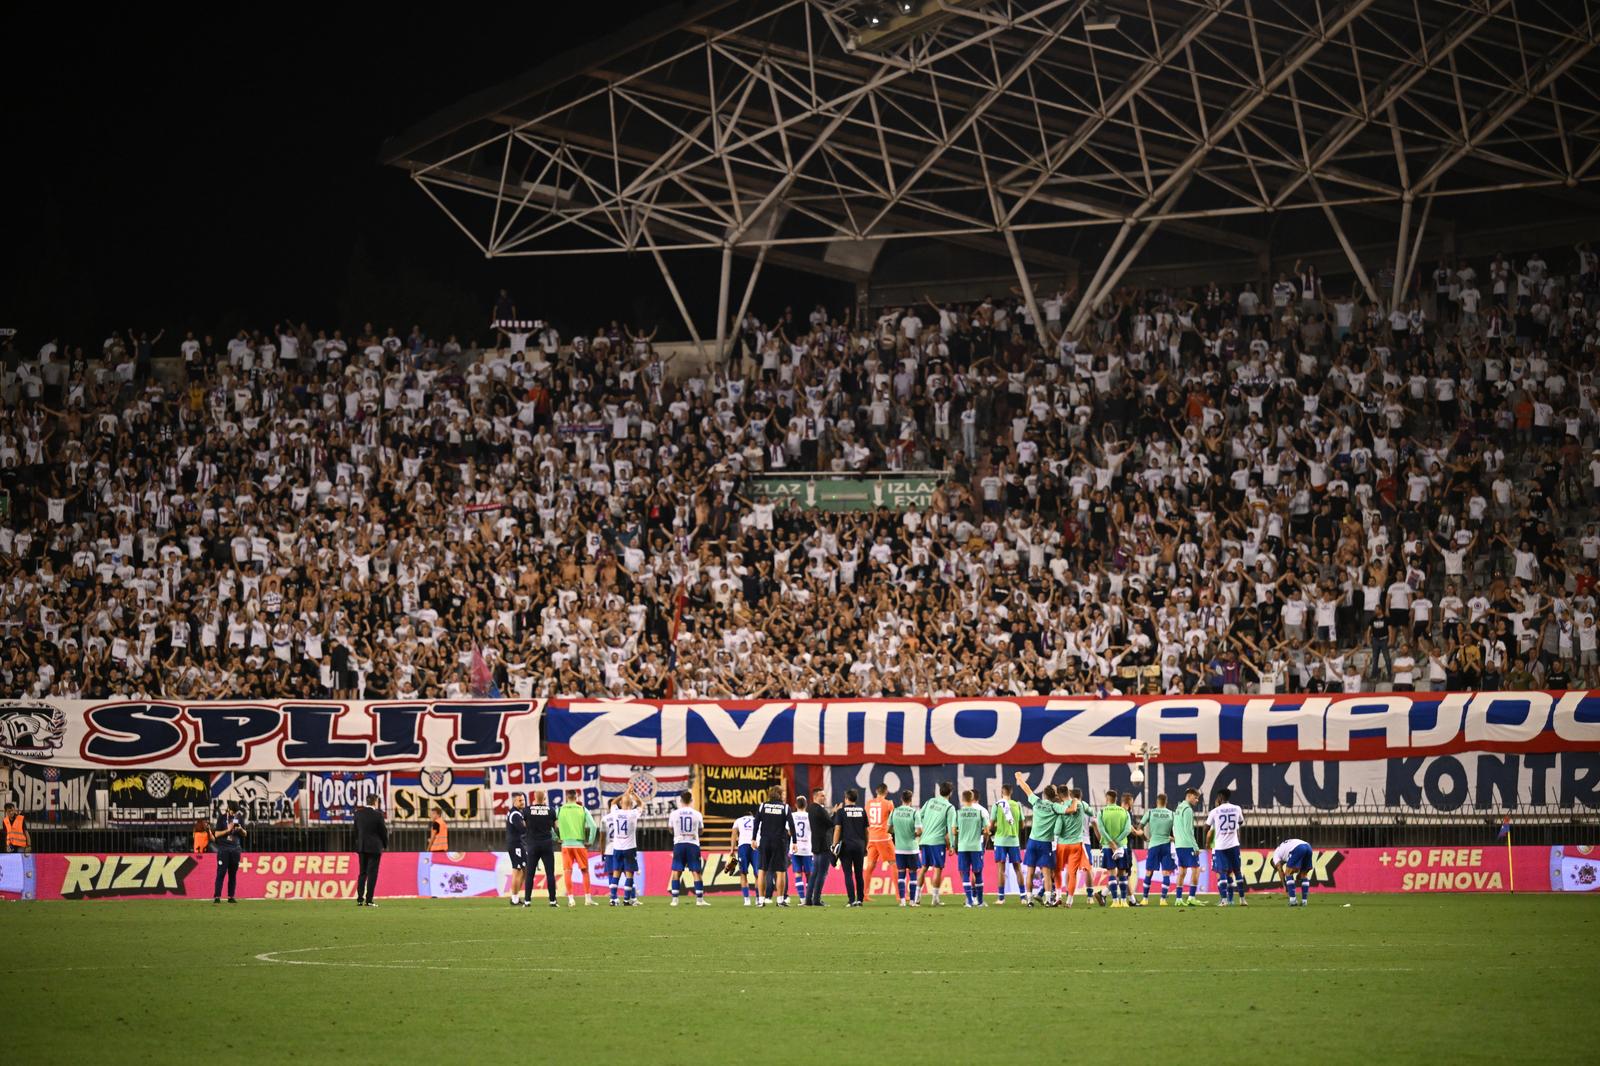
(1225, 820)
(802, 859)
(622, 832)
(686, 826)
(1292, 861)
(749, 864)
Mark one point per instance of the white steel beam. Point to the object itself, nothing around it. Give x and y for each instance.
(1516, 96)
(1344, 242)
(1163, 57)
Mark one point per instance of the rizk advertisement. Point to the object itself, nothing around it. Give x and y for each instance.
(304, 875)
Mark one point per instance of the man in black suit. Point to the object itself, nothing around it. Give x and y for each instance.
(372, 836)
(821, 836)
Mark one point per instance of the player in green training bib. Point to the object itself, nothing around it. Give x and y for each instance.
(1005, 829)
(1070, 854)
(1185, 850)
(903, 831)
(937, 821)
(1115, 825)
(972, 827)
(1040, 856)
(1156, 828)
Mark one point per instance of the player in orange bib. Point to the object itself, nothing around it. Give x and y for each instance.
(879, 848)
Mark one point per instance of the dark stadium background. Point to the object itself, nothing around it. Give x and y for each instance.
(217, 167)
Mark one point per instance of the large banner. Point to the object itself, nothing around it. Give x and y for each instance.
(734, 791)
(270, 735)
(1486, 782)
(335, 794)
(47, 793)
(562, 782)
(159, 796)
(1068, 728)
(459, 795)
(657, 787)
(200, 737)
(267, 797)
(332, 876)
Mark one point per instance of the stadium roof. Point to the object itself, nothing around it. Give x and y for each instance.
(799, 132)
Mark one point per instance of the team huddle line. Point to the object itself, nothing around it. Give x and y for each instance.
(779, 846)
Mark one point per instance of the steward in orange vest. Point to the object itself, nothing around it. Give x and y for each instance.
(438, 834)
(16, 831)
(202, 836)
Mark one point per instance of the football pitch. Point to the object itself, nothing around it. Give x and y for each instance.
(1385, 979)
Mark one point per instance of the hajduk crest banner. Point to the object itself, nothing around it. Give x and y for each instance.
(313, 735)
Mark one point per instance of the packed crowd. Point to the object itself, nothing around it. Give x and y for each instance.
(1210, 490)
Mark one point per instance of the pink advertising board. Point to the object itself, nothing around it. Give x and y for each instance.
(332, 876)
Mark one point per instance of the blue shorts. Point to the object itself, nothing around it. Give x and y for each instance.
(1188, 858)
(627, 862)
(1226, 861)
(970, 863)
(610, 863)
(518, 857)
(1299, 859)
(803, 864)
(1004, 853)
(1159, 857)
(903, 861)
(1112, 861)
(933, 855)
(747, 860)
(686, 857)
(1040, 853)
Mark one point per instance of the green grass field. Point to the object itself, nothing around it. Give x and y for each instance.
(1385, 979)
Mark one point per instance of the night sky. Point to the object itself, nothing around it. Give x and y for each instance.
(208, 175)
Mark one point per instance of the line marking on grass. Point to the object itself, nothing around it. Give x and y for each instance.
(275, 957)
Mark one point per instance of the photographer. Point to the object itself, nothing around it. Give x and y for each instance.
(229, 844)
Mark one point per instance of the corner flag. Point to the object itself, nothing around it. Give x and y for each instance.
(1511, 865)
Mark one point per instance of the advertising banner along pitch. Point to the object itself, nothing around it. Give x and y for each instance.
(1562, 868)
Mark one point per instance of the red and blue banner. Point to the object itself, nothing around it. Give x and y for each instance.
(1239, 729)
(323, 735)
(268, 735)
(335, 794)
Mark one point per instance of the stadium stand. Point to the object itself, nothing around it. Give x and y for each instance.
(1208, 490)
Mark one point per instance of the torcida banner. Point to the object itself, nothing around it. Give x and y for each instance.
(314, 735)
